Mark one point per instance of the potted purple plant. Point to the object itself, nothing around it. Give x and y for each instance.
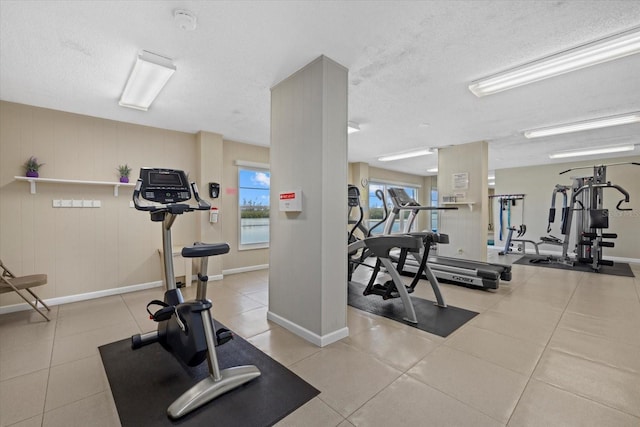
(124, 171)
(32, 167)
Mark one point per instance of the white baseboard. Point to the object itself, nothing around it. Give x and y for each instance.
(93, 295)
(320, 341)
(245, 269)
(82, 297)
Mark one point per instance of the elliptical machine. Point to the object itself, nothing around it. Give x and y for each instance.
(380, 247)
(359, 257)
(185, 329)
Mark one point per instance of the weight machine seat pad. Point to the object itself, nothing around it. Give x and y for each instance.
(200, 250)
(24, 282)
(551, 240)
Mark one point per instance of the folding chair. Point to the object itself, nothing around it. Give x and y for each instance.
(9, 282)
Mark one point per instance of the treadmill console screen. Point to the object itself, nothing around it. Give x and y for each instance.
(164, 186)
(401, 198)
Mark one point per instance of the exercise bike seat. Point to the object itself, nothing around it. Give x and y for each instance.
(200, 250)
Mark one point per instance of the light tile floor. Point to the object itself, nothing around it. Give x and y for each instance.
(550, 348)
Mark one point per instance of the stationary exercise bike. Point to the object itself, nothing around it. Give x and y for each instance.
(185, 329)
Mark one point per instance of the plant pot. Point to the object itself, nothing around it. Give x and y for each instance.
(124, 179)
(32, 174)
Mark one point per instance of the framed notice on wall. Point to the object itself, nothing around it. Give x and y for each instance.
(460, 181)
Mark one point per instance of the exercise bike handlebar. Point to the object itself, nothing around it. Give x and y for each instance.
(172, 208)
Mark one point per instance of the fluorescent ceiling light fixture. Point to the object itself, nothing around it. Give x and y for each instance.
(432, 170)
(491, 177)
(597, 52)
(592, 151)
(353, 127)
(149, 75)
(405, 155)
(603, 122)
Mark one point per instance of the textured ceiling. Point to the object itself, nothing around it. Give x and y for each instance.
(410, 64)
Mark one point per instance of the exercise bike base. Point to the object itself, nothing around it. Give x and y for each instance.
(140, 340)
(208, 389)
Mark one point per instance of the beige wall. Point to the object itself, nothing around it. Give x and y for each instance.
(537, 183)
(94, 249)
(82, 249)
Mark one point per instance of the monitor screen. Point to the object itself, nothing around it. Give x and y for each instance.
(165, 179)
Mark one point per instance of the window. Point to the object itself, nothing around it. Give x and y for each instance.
(434, 214)
(253, 205)
(376, 211)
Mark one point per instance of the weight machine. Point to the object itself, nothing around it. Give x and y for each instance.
(586, 199)
(506, 203)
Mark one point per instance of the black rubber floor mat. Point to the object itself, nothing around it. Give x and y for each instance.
(618, 269)
(146, 381)
(431, 318)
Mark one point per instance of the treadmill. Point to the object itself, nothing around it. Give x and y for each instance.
(454, 270)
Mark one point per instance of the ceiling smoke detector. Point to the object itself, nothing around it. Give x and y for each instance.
(184, 19)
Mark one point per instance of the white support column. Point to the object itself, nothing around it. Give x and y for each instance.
(209, 149)
(308, 257)
(466, 227)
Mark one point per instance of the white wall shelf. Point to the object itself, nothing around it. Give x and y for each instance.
(470, 204)
(33, 181)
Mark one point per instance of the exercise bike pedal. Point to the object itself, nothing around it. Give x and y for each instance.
(163, 314)
(223, 336)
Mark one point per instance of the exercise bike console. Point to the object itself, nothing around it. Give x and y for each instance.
(164, 186)
(165, 191)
